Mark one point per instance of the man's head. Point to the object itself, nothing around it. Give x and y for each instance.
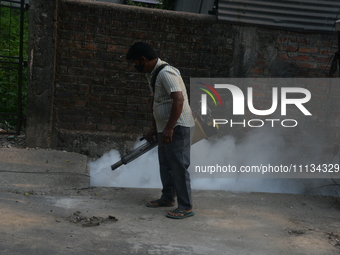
(143, 56)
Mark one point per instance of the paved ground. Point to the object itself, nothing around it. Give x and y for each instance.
(47, 207)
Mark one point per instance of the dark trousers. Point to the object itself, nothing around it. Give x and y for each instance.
(174, 160)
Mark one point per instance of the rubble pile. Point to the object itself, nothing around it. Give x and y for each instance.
(12, 141)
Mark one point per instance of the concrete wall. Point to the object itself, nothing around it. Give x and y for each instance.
(41, 72)
(84, 97)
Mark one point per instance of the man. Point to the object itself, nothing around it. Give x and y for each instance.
(172, 120)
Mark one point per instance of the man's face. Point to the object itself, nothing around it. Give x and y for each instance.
(139, 64)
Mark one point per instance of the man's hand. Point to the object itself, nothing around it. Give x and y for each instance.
(176, 110)
(151, 136)
(167, 135)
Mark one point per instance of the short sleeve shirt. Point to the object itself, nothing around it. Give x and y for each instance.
(169, 80)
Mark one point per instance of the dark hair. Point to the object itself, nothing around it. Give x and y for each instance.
(141, 49)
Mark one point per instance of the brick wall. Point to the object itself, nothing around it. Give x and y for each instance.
(100, 102)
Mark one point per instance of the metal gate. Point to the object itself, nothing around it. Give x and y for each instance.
(13, 38)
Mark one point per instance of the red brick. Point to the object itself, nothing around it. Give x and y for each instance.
(257, 70)
(114, 128)
(81, 54)
(104, 127)
(65, 125)
(301, 57)
(77, 37)
(90, 46)
(95, 98)
(91, 119)
(302, 41)
(283, 56)
(84, 126)
(73, 118)
(282, 39)
(80, 103)
(112, 48)
(324, 67)
(322, 59)
(260, 55)
(309, 50)
(327, 52)
(292, 40)
(260, 62)
(306, 65)
(84, 88)
(288, 48)
(89, 37)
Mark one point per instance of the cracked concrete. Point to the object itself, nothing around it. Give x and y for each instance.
(36, 216)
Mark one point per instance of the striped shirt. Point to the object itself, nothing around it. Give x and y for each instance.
(169, 80)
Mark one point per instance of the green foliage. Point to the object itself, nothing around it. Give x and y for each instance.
(164, 4)
(129, 2)
(10, 51)
(168, 4)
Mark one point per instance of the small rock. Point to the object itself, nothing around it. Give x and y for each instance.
(10, 137)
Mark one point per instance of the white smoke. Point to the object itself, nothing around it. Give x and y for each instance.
(258, 147)
(140, 173)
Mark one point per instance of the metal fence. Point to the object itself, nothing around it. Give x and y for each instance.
(302, 15)
(13, 38)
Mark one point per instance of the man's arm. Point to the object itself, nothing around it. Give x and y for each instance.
(152, 133)
(176, 110)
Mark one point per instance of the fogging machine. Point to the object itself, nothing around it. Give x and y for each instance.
(203, 129)
(135, 153)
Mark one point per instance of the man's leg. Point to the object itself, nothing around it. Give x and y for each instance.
(177, 155)
(168, 191)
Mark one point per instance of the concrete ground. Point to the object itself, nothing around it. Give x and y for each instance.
(47, 207)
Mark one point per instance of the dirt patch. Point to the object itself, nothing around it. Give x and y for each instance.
(93, 221)
(334, 239)
(296, 232)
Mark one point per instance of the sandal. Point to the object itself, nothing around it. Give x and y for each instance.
(159, 203)
(183, 214)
